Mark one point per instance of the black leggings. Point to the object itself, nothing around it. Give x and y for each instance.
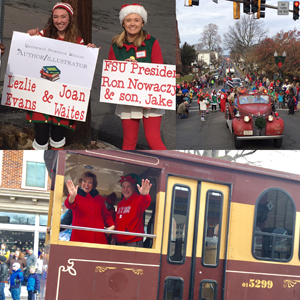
(42, 132)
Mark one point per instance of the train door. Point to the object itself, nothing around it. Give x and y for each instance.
(194, 243)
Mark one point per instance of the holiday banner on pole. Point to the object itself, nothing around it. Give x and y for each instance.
(49, 76)
(138, 84)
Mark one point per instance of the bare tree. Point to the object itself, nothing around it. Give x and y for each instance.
(219, 52)
(230, 155)
(214, 59)
(210, 37)
(246, 33)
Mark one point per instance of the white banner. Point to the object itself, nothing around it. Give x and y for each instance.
(138, 84)
(49, 76)
(62, 100)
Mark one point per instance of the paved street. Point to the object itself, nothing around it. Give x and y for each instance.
(193, 134)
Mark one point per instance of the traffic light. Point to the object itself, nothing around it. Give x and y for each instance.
(262, 8)
(296, 10)
(236, 10)
(247, 6)
(254, 6)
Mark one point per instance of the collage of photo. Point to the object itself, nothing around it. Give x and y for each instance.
(148, 151)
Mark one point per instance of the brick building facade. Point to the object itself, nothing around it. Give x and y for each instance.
(24, 199)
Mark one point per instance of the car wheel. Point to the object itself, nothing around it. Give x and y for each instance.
(237, 143)
(277, 143)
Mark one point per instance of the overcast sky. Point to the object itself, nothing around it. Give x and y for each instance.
(281, 160)
(191, 20)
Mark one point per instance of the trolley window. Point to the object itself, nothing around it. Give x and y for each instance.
(179, 221)
(108, 174)
(208, 290)
(173, 288)
(212, 228)
(274, 224)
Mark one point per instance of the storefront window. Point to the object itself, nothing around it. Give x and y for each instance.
(17, 239)
(17, 218)
(43, 220)
(42, 238)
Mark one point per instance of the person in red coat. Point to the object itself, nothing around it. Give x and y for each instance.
(88, 210)
(129, 216)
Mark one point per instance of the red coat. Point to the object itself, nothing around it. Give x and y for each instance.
(89, 210)
(129, 217)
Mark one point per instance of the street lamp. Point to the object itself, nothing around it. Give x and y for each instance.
(279, 60)
(195, 64)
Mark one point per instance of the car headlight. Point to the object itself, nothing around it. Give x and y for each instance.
(270, 118)
(246, 119)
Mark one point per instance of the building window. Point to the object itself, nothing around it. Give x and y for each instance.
(273, 234)
(14, 239)
(17, 218)
(34, 174)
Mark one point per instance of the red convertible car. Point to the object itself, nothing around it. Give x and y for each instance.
(251, 117)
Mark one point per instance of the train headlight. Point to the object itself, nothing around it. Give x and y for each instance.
(270, 118)
(246, 119)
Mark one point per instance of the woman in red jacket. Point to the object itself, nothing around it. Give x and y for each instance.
(88, 210)
(129, 216)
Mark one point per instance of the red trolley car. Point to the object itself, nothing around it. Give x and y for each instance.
(214, 230)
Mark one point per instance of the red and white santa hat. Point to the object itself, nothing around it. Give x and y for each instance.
(66, 6)
(133, 8)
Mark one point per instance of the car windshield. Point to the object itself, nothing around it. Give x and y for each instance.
(234, 84)
(236, 80)
(254, 99)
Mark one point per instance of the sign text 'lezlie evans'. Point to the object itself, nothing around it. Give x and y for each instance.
(62, 100)
(138, 84)
(42, 77)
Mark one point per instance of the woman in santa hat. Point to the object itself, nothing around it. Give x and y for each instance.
(61, 26)
(135, 45)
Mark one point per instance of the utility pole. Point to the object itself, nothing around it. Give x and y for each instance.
(83, 14)
(2, 6)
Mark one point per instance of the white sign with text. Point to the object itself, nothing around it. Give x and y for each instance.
(283, 8)
(49, 76)
(138, 84)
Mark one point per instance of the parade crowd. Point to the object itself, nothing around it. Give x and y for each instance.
(19, 268)
(212, 93)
